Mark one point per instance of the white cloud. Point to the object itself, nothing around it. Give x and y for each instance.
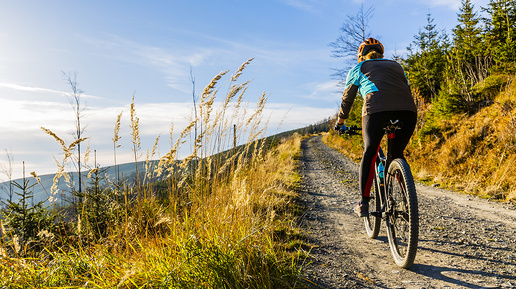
(305, 5)
(22, 115)
(326, 87)
(294, 116)
(173, 63)
(199, 58)
(156, 118)
(452, 4)
(21, 123)
(328, 91)
(29, 88)
(42, 90)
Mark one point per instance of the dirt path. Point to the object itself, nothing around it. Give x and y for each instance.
(464, 241)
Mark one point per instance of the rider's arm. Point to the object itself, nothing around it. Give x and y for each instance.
(348, 97)
(339, 124)
(350, 92)
(347, 100)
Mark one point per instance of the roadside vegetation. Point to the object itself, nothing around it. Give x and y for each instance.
(466, 96)
(223, 217)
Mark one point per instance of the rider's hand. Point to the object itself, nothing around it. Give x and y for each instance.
(339, 127)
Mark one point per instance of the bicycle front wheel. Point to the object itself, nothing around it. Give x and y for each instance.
(373, 221)
(402, 218)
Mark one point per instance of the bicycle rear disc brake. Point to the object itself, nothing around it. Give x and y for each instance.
(403, 220)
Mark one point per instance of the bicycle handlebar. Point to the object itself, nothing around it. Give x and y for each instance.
(390, 126)
(350, 130)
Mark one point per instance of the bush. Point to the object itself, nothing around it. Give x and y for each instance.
(446, 105)
(490, 87)
(449, 102)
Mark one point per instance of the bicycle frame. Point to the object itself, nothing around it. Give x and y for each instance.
(381, 183)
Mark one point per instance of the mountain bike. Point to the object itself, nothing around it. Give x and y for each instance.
(393, 199)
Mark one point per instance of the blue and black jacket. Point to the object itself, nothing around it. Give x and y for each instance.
(383, 85)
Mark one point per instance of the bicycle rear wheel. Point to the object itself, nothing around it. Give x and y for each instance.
(403, 219)
(372, 222)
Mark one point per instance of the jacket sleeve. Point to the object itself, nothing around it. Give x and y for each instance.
(352, 86)
(348, 97)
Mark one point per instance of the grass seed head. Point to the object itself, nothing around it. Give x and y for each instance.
(116, 136)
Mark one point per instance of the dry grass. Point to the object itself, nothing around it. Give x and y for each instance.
(211, 223)
(347, 145)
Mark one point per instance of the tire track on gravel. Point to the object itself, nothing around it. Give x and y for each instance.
(464, 242)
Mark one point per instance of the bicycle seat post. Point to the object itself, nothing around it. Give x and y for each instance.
(390, 130)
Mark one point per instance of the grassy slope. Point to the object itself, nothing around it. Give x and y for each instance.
(477, 153)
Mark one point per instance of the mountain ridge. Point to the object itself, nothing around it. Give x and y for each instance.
(41, 191)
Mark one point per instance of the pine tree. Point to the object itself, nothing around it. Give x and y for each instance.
(468, 62)
(426, 62)
(24, 218)
(98, 203)
(467, 38)
(500, 32)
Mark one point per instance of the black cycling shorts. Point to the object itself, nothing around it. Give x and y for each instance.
(372, 130)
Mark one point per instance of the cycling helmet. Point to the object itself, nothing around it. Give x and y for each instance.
(368, 44)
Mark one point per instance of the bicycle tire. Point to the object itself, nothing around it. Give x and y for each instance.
(372, 223)
(403, 217)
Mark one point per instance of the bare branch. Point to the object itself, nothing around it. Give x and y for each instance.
(75, 101)
(353, 32)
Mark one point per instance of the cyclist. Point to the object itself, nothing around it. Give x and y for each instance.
(387, 96)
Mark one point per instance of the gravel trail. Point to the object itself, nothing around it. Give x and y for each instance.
(464, 241)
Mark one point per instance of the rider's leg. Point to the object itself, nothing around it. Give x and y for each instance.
(372, 134)
(403, 135)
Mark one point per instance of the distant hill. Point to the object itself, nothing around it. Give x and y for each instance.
(41, 191)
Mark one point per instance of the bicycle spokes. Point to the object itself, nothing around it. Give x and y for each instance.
(400, 206)
(402, 214)
(372, 222)
(398, 216)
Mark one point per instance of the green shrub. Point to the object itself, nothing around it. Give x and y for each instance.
(490, 87)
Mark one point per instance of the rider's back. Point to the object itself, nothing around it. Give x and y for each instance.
(383, 86)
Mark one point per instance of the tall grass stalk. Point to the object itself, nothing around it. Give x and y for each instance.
(116, 138)
(135, 140)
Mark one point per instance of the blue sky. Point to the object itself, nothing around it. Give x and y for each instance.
(146, 48)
